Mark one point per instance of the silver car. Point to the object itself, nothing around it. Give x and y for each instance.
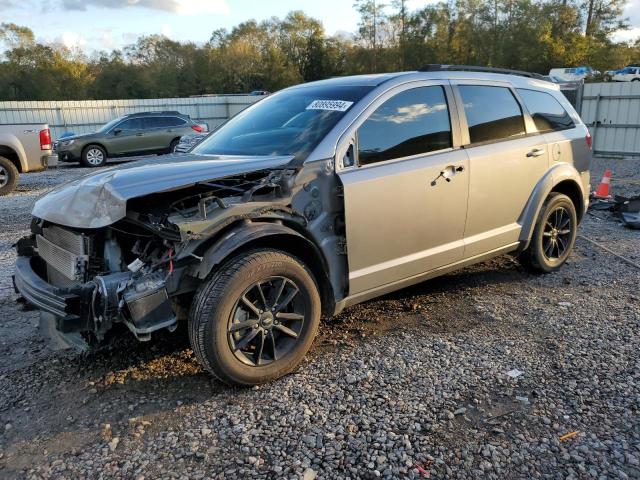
(316, 198)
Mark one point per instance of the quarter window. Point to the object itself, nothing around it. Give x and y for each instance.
(165, 122)
(547, 113)
(412, 122)
(492, 113)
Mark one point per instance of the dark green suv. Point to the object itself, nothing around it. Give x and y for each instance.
(134, 134)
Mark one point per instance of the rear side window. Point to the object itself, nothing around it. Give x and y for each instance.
(175, 121)
(153, 122)
(492, 113)
(547, 113)
(412, 122)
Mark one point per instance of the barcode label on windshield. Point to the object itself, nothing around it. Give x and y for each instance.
(334, 105)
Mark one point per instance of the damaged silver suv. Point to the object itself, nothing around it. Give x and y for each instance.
(314, 199)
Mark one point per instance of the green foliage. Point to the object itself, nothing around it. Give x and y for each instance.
(533, 35)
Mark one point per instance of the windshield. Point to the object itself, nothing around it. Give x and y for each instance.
(291, 122)
(107, 126)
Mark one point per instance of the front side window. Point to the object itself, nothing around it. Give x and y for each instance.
(109, 125)
(412, 122)
(131, 124)
(492, 113)
(291, 122)
(546, 111)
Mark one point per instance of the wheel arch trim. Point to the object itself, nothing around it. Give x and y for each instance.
(255, 233)
(11, 145)
(563, 178)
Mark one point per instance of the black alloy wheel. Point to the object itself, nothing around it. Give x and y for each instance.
(266, 321)
(556, 236)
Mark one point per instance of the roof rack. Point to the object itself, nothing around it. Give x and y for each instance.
(165, 112)
(436, 67)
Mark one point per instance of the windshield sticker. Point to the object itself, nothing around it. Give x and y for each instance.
(333, 105)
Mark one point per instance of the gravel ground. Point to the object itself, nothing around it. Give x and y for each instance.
(418, 377)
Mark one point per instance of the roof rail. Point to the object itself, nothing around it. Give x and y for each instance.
(436, 67)
(165, 112)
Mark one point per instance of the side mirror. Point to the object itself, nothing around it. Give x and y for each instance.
(117, 131)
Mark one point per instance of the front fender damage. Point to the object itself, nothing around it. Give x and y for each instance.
(142, 270)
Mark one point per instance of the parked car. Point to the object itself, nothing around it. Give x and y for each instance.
(627, 74)
(271, 223)
(571, 74)
(130, 135)
(23, 148)
(259, 93)
(187, 142)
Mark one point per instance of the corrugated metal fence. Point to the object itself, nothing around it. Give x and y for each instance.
(612, 112)
(87, 115)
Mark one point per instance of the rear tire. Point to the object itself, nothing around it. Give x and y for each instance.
(172, 146)
(255, 319)
(554, 235)
(8, 176)
(93, 156)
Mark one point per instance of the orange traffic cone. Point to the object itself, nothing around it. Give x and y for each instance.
(602, 192)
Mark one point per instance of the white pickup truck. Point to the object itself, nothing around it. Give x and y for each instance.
(23, 148)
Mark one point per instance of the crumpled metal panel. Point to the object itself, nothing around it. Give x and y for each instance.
(100, 199)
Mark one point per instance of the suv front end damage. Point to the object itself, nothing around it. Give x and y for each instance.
(142, 269)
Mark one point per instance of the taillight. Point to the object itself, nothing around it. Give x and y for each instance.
(45, 139)
(197, 128)
(588, 140)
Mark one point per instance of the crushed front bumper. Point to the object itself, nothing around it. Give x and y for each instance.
(74, 309)
(59, 309)
(61, 302)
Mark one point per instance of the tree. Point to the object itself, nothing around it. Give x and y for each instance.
(533, 35)
(372, 20)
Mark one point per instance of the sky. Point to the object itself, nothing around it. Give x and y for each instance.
(107, 24)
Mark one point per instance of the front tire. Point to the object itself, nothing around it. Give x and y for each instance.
(93, 156)
(554, 235)
(8, 176)
(255, 319)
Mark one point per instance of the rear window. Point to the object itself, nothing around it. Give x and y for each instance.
(492, 113)
(547, 113)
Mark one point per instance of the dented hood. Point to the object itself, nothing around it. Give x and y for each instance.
(100, 199)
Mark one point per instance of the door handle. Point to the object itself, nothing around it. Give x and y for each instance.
(139, 134)
(447, 173)
(536, 152)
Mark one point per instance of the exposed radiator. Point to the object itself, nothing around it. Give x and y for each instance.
(65, 252)
(66, 239)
